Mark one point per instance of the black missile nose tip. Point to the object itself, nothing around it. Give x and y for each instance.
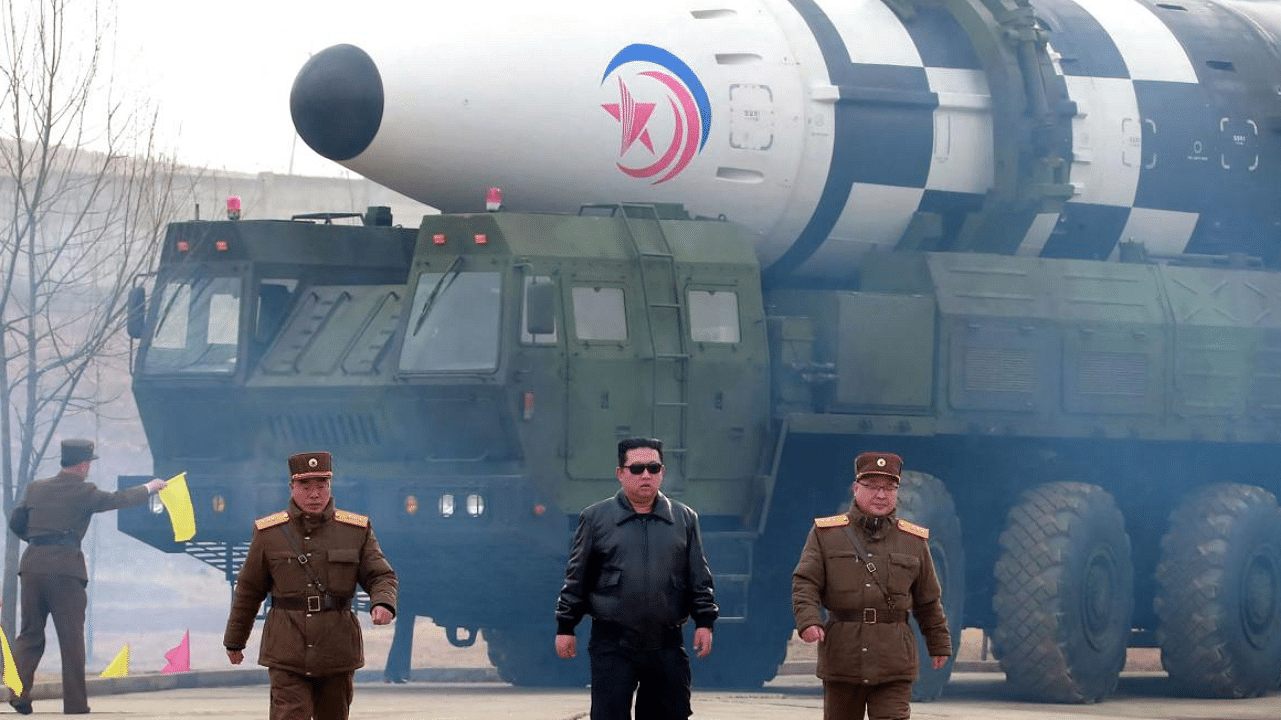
(337, 102)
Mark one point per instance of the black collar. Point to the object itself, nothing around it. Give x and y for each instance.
(662, 509)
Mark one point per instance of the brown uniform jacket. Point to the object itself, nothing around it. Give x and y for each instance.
(60, 508)
(830, 576)
(342, 551)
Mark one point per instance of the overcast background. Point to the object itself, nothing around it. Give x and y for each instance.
(219, 74)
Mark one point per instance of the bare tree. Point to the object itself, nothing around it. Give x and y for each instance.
(86, 195)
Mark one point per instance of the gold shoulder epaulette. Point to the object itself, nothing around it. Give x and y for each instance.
(832, 521)
(351, 518)
(914, 529)
(272, 520)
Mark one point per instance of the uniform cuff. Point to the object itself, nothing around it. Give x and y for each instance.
(565, 627)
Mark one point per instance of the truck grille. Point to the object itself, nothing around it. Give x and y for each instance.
(325, 430)
(1114, 373)
(999, 370)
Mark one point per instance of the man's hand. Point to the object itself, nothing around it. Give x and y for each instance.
(156, 484)
(236, 656)
(703, 641)
(566, 646)
(813, 633)
(938, 661)
(380, 614)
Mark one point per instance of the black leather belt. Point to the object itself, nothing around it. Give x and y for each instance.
(55, 540)
(311, 603)
(869, 616)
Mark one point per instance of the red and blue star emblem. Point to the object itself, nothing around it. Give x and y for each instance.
(675, 89)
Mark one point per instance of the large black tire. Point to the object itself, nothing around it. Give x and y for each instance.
(1218, 601)
(744, 656)
(1064, 596)
(525, 656)
(924, 500)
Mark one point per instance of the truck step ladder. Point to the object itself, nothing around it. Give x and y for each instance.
(668, 337)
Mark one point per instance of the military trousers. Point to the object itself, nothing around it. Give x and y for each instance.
(658, 677)
(63, 597)
(301, 697)
(848, 701)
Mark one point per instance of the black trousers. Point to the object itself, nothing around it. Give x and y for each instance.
(658, 677)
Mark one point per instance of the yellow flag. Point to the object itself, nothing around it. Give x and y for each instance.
(177, 500)
(120, 666)
(11, 679)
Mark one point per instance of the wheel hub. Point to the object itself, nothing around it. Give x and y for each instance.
(1098, 593)
(1259, 600)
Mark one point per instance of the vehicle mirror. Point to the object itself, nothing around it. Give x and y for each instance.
(540, 308)
(136, 312)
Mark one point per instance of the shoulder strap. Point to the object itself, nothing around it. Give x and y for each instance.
(302, 558)
(871, 567)
(272, 520)
(351, 518)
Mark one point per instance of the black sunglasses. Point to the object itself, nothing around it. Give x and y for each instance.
(638, 468)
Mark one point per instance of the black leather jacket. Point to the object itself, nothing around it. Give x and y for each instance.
(644, 571)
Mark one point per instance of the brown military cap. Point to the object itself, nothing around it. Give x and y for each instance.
(75, 452)
(305, 466)
(877, 463)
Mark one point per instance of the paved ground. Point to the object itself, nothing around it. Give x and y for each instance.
(971, 696)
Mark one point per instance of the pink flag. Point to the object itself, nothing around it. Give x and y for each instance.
(180, 657)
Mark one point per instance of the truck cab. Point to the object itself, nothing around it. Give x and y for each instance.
(472, 380)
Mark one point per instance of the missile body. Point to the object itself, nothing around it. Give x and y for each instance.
(830, 127)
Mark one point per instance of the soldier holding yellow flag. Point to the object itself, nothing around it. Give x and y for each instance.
(53, 518)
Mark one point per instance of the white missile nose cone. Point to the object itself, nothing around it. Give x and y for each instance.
(337, 102)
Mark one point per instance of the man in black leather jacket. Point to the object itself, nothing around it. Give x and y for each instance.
(636, 565)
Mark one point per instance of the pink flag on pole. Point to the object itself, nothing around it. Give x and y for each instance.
(180, 657)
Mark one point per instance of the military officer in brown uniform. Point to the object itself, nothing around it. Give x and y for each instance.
(53, 518)
(310, 558)
(868, 568)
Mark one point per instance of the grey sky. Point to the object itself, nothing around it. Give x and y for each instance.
(219, 74)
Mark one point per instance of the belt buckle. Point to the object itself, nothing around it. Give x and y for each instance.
(872, 620)
(313, 603)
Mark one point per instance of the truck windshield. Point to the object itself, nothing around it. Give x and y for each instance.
(453, 324)
(197, 328)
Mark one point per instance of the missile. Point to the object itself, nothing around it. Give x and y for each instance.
(1053, 128)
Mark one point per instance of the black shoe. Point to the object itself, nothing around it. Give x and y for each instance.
(22, 706)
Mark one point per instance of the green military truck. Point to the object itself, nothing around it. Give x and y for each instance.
(1092, 445)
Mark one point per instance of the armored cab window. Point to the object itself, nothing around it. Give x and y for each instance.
(274, 299)
(599, 313)
(454, 323)
(197, 328)
(713, 316)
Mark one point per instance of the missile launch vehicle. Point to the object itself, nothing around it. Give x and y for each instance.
(1031, 246)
